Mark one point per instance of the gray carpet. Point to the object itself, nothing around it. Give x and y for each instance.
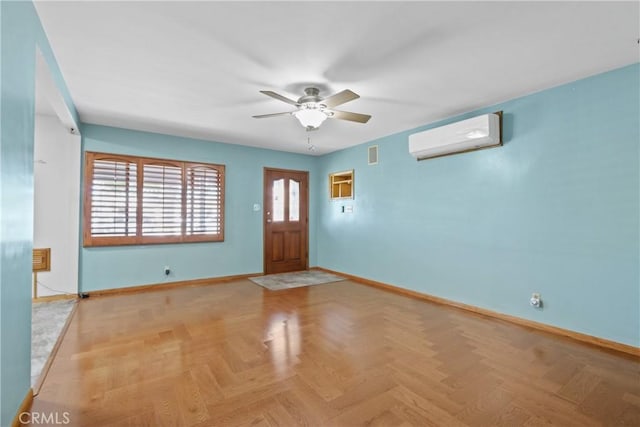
(48, 319)
(297, 279)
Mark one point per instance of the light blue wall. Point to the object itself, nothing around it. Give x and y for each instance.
(16, 182)
(1, 222)
(555, 210)
(240, 253)
(20, 33)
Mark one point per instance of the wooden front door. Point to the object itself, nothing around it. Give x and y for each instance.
(286, 222)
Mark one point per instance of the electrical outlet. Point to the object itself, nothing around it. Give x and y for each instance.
(167, 270)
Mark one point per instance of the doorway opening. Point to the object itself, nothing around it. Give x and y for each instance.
(56, 179)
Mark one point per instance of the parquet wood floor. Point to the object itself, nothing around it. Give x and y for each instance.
(340, 354)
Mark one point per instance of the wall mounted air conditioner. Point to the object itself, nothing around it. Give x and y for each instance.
(467, 135)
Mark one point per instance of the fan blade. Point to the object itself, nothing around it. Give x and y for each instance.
(340, 98)
(262, 116)
(347, 115)
(280, 97)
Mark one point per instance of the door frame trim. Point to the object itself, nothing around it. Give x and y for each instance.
(264, 219)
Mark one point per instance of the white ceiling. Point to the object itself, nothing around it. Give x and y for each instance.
(194, 69)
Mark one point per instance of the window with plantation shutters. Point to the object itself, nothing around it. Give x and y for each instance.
(162, 199)
(204, 198)
(113, 212)
(138, 200)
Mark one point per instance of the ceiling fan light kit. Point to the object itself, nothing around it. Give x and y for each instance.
(310, 117)
(313, 109)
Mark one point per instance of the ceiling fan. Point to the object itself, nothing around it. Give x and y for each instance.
(313, 109)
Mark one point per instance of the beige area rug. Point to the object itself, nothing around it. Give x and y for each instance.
(296, 279)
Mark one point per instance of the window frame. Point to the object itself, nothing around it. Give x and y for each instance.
(138, 239)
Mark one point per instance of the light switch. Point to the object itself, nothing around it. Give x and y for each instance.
(256, 207)
(348, 209)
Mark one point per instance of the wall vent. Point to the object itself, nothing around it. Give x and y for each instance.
(372, 154)
(41, 259)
